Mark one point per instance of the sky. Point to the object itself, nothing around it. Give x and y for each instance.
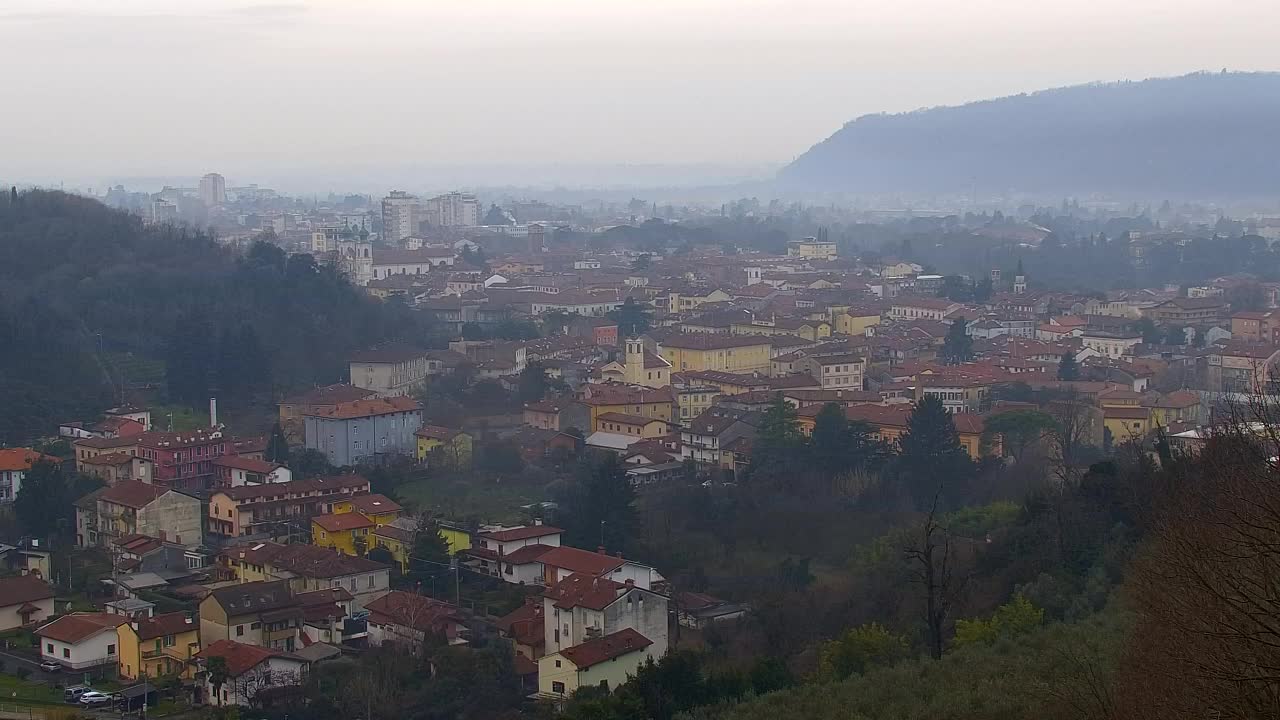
(489, 89)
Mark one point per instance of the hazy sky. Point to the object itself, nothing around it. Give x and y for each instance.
(98, 88)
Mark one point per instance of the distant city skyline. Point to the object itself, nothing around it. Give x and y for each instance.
(569, 91)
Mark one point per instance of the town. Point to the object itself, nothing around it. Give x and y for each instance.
(597, 439)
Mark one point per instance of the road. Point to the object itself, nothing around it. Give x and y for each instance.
(13, 660)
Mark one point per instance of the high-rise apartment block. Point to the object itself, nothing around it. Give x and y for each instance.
(213, 190)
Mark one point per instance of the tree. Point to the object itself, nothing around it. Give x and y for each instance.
(838, 446)
(932, 463)
(219, 674)
(644, 262)
(1016, 617)
(633, 318)
(931, 558)
(982, 290)
(600, 506)
(1151, 334)
(858, 650)
(309, 463)
(429, 556)
(779, 440)
(533, 382)
(495, 216)
(1017, 430)
(1067, 367)
(1175, 335)
(45, 501)
(957, 348)
(277, 446)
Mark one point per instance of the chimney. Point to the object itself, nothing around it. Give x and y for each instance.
(134, 624)
(162, 536)
(629, 583)
(537, 522)
(619, 554)
(600, 549)
(213, 412)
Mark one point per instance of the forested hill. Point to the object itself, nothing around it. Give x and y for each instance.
(89, 294)
(1207, 135)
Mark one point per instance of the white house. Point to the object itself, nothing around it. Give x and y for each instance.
(81, 640)
(512, 553)
(561, 562)
(580, 608)
(250, 670)
(608, 659)
(24, 599)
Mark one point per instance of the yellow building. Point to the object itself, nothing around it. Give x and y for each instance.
(397, 541)
(347, 533)
(706, 351)
(855, 321)
(456, 537)
(695, 400)
(811, 330)
(684, 300)
(378, 509)
(634, 425)
(444, 446)
(601, 398)
(1127, 423)
(160, 645)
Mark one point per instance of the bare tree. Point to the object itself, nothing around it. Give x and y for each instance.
(1076, 427)
(933, 560)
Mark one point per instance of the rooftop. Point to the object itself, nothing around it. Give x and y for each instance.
(608, 647)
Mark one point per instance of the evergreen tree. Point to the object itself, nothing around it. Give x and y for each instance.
(633, 318)
(533, 382)
(1067, 367)
(45, 500)
(277, 446)
(779, 441)
(932, 462)
(957, 348)
(828, 445)
(601, 506)
(495, 216)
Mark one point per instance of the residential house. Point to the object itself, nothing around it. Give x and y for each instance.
(1242, 367)
(307, 568)
(1197, 312)
(889, 423)
(15, 463)
(183, 460)
(842, 372)
(348, 533)
(89, 447)
(1111, 344)
(444, 447)
(699, 610)
(24, 600)
(524, 628)
(556, 415)
(376, 507)
(609, 659)
(685, 299)
(613, 398)
(160, 645)
(637, 426)
(710, 351)
(581, 607)
(707, 438)
(391, 371)
(262, 613)
(318, 400)
(397, 538)
(407, 619)
(116, 467)
(1258, 327)
(287, 507)
(1179, 406)
(560, 562)
(957, 393)
(81, 641)
(234, 471)
(513, 553)
(910, 307)
(365, 430)
(137, 508)
(251, 671)
(693, 400)
(1126, 423)
(144, 554)
(856, 320)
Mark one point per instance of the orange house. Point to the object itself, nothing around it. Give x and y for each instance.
(889, 423)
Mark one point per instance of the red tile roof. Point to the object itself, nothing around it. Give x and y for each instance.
(579, 590)
(374, 504)
(368, 408)
(580, 561)
(436, 432)
(329, 395)
(77, 626)
(413, 611)
(22, 459)
(236, 462)
(241, 658)
(132, 493)
(21, 589)
(613, 645)
(342, 522)
(173, 623)
(322, 485)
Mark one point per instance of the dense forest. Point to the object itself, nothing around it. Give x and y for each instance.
(1207, 135)
(93, 301)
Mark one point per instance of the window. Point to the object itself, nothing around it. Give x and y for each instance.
(48, 648)
(557, 663)
(239, 630)
(111, 649)
(370, 581)
(557, 687)
(66, 653)
(255, 626)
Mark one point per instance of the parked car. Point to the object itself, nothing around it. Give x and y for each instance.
(50, 666)
(93, 697)
(72, 693)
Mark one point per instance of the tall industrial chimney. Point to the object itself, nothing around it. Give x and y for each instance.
(213, 412)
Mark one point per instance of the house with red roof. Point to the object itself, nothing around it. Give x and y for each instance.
(582, 607)
(234, 471)
(608, 659)
(80, 641)
(131, 507)
(15, 463)
(251, 670)
(513, 553)
(24, 599)
(560, 562)
(405, 618)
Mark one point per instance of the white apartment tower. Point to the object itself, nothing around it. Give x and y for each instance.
(213, 189)
(454, 209)
(401, 213)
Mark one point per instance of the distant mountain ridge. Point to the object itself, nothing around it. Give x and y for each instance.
(1204, 135)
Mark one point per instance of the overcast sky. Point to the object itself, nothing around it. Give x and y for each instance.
(113, 88)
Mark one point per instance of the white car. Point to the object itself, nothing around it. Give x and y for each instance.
(50, 666)
(93, 697)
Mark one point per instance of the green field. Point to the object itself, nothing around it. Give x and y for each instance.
(461, 499)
